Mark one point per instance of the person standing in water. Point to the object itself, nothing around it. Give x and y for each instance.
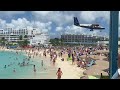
(5, 66)
(14, 70)
(42, 62)
(34, 68)
(54, 59)
(59, 73)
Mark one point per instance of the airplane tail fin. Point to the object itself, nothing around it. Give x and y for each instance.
(76, 22)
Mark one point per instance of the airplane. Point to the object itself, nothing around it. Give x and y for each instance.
(89, 26)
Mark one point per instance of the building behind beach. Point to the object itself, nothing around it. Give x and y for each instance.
(34, 35)
(81, 39)
(40, 39)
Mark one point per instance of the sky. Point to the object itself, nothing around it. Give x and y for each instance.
(57, 22)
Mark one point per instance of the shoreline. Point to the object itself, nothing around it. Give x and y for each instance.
(36, 59)
(69, 71)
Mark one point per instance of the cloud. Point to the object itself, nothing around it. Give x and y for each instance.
(42, 13)
(24, 23)
(74, 30)
(53, 35)
(91, 16)
(2, 23)
(11, 12)
(57, 17)
(59, 29)
(87, 16)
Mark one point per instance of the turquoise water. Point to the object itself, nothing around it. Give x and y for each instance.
(47, 71)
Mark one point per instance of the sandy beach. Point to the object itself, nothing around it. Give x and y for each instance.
(69, 71)
(72, 71)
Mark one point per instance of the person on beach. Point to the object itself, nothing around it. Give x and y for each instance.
(53, 61)
(73, 59)
(40, 55)
(59, 73)
(68, 55)
(51, 56)
(54, 58)
(61, 53)
(34, 68)
(44, 53)
(62, 59)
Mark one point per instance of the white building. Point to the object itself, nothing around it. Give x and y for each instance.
(11, 34)
(39, 38)
(105, 43)
(35, 36)
(80, 39)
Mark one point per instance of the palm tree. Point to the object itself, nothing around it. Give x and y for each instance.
(20, 42)
(20, 37)
(25, 37)
(56, 41)
(3, 41)
(25, 42)
(62, 41)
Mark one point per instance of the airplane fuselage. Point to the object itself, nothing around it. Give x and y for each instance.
(91, 26)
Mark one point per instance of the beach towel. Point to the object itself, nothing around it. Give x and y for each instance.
(69, 58)
(92, 77)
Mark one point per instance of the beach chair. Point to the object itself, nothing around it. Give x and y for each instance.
(92, 62)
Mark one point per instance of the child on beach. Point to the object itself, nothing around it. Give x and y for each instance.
(59, 73)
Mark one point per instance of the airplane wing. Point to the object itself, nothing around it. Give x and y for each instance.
(86, 27)
(99, 28)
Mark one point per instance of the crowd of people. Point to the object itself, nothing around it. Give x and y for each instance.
(74, 53)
